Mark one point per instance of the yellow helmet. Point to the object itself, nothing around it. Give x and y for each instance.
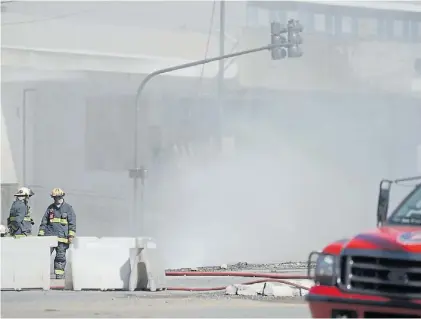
(24, 191)
(57, 192)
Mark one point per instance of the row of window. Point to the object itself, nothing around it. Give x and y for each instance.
(380, 28)
(109, 141)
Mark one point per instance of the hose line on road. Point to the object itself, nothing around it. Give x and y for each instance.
(233, 274)
(272, 277)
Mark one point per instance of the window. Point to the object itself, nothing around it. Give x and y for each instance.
(409, 212)
(109, 133)
(292, 15)
(382, 29)
(347, 25)
(263, 17)
(319, 22)
(337, 25)
(274, 16)
(367, 27)
(306, 18)
(252, 16)
(415, 31)
(398, 28)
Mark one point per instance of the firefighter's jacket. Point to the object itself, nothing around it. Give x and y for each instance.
(59, 221)
(20, 221)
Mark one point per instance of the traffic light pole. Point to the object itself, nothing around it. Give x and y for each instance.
(139, 171)
(221, 72)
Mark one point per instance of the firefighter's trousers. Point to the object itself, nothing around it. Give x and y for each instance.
(60, 259)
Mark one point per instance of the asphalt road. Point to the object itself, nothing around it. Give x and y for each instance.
(174, 304)
(94, 304)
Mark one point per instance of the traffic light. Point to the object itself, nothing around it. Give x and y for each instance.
(294, 28)
(279, 42)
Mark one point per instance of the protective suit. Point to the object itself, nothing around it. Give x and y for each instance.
(59, 220)
(20, 221)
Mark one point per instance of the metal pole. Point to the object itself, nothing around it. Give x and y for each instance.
(221, 71)
(138, 171)
(24, 138)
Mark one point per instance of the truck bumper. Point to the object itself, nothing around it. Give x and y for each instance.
(334, 307)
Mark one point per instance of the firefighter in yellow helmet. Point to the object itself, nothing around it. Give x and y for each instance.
(59, 220)
(20, 221)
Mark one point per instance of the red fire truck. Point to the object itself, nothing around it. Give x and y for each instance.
(376, 274)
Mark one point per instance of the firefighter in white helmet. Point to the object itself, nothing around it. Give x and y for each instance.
(59, 220)
(20, 221)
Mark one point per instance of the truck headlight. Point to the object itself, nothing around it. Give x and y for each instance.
(325, 271)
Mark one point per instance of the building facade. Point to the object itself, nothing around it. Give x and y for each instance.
(68, 97)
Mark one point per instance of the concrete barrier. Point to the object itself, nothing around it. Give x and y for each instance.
(25, 262)
(251, 290)
(273, 289)
(114, 263)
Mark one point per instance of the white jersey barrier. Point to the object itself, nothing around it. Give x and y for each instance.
(25, 262)
(111, 263)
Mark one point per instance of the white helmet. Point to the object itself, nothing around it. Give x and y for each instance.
(24, 191)
(3, 230)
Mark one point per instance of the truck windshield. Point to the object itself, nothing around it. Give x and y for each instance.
(409, 211)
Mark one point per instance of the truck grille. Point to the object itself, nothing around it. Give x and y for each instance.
(381, 276)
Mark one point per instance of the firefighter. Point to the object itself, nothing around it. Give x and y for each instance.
(59, 220)
(20, 221)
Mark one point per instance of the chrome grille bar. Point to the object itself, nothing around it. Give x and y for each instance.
(392, 277)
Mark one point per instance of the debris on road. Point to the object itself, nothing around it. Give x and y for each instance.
(250, 290)
(270, 289)
(240, 266)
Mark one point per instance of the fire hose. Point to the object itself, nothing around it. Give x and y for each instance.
(281, 278)
(272, 277)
